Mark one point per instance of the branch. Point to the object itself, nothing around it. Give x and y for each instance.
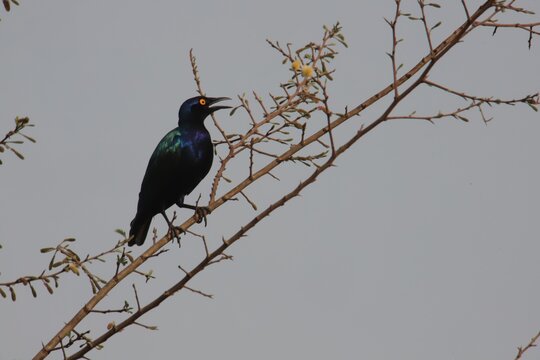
(523, 349)
(308, 66)
(71, 262)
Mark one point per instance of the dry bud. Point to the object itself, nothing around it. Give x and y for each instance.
(73, 268)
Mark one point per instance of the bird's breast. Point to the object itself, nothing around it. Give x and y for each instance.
(198, 146)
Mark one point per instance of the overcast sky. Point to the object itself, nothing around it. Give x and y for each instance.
(422, 243)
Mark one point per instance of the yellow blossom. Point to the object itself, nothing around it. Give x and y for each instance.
(307, 71)
(296, 65)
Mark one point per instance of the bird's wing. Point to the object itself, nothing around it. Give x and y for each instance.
(158, 180)
(157, 189)
(171, 144)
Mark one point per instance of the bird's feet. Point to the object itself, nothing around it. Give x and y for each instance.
(200, 211)
(200, 214)
(175, 233)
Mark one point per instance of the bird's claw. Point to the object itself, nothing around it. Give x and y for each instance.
(200, 214)
(174, 233)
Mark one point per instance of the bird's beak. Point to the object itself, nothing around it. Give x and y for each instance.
(212, 101)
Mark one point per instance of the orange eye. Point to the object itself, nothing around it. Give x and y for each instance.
(202, 101)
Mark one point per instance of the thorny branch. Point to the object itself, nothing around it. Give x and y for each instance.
(508, 5)
(427, 29)
(395, 42)
(70, 262)
(531, 344)
(285, 129)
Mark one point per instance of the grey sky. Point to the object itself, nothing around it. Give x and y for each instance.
(421, 243)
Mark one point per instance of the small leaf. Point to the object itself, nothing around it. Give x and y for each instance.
(7, 6)
(34, 293)
(46, 250)
(56, 264)
(121, 232)
(3, 293)
(51, 263)
(19, 155)
(13, 295)
(533, 107)
(436, 25)
(231, 113)
(28, 137)
(49, 288)
(343, 43)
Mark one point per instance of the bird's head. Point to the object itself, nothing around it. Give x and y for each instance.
(198, 108)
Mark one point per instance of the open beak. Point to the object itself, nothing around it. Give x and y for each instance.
(212, 101)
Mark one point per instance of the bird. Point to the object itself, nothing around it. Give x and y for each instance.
(178, 164)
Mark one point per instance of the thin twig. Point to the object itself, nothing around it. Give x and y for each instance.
(523, 349)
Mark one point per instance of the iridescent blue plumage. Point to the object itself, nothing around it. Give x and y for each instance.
(180, 161)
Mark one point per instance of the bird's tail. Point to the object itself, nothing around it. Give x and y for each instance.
(139, 229)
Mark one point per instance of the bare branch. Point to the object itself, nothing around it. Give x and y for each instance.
(523, 349)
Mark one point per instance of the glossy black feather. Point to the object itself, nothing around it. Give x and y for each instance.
(180, 161)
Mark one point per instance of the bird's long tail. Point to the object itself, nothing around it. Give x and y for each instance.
(139, 229)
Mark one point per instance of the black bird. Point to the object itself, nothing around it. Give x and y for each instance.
(180, 161)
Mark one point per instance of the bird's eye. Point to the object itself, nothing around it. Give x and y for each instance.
(202, 101)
